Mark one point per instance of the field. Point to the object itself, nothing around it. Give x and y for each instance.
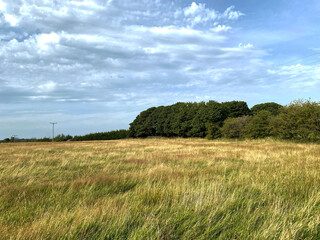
(160, 189)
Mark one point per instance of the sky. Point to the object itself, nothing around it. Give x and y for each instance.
(94, 65)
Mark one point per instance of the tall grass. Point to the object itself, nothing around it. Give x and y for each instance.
(160, 189)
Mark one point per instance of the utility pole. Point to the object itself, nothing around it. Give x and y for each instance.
(53, 123)
(14, 137)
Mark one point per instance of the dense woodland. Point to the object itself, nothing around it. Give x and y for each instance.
(299, 120)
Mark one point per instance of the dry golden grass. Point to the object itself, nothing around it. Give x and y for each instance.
(160, 189)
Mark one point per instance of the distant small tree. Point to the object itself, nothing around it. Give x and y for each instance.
(234, 127)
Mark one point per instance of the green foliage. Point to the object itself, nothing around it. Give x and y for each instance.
(45, 139)
(259, 126)
(298, 121)
(143, 125)
(235, 109)
(272, 107)
(213, 131)
(62, 138)
(235, 127)
(185, 119)
(214, 112)
(112, 135)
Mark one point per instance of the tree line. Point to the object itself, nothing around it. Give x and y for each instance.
(111, 135)
(300, 120)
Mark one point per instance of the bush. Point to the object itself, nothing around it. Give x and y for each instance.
(259, 126)
(298, 121)
(235, 127)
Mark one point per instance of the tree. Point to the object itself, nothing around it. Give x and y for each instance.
(185, 119)
(260, 125)
(235, 109)
(142, 126)
(213, 131)
(207, 112)
(272, 107)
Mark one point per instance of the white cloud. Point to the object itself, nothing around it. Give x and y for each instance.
(87, 4)
(196, 14)
(221, 28)
(47, 87)
(45, 41)
(173, 30)
(294, 66)
(232, 15)
(302, 77)
(11, 19)
(2, 6)
(194, 9)
(248, 45)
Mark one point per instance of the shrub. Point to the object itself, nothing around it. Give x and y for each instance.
(300, 120)
(259, 126)
(234, 127)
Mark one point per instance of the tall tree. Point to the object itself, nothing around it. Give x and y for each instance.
(272, 107)
(235, 109)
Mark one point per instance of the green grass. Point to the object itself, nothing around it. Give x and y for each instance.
(160, 189)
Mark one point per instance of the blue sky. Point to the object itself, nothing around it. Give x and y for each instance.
(93, 65)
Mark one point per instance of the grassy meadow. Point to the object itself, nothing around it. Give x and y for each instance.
(160, 189)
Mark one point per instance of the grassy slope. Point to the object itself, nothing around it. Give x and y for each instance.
(160, 188)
